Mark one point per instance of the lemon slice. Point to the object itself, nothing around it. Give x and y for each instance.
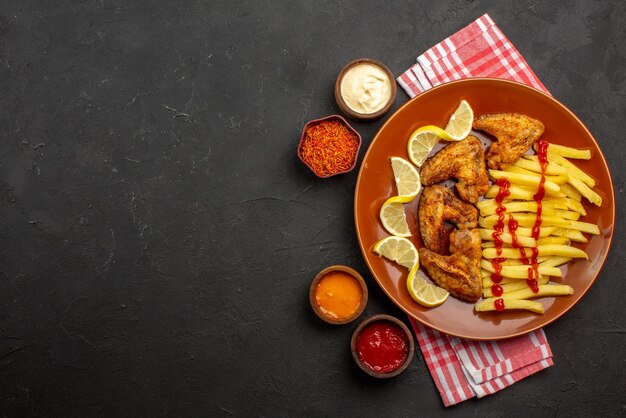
(421, 143)
(407, 179)
(398, 249)
(423, 292)
(393, 218)
(460, 123)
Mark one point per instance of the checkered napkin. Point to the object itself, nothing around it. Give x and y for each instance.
(478, 50)
(463, 368)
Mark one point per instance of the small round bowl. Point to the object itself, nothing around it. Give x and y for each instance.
(365, 367)
(342, 103)
(316, 308)
(347, 125)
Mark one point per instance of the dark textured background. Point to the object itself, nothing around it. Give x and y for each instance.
(158, 234)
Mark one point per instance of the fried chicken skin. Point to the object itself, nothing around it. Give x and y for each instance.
(437, 205)
(458, 273)
(463, 160)
(515, 134)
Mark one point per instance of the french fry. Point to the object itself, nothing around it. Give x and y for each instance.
(533, 165)
(533, 189)
(512, 287)
(555, 261)
(553, 241)
(587, 227)
(575, 205)
(486, 203)
(520, 272)
(564, 203)
(557, 204)
(584, 190)
(558, 179)
(515, 192)
(514, 262)
(565, 214)
(570, 234)
(507, 238)
(487, 237)
(544, 290)
(525, 179)
(572, 169)
(543, 250)
(516, 169)
(488, 222)
(528, 221)
(488, 207)
(571, 192)
(568, 152)
(487, 282)
(512, 207)
(491, 244)
(487, 234)
(488, 305)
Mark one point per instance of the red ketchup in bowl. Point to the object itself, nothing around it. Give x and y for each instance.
(382, 346)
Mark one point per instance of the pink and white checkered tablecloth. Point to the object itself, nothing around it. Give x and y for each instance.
(463, 368)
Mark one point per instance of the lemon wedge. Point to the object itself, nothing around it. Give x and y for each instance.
(393, 218)
(421, 143)
(423, 292)
(458, 127)
(398, 249)
(460, 123)
(408, 182)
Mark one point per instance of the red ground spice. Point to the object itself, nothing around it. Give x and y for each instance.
(329, 147)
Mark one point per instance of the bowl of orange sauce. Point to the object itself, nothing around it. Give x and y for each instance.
(338, 294)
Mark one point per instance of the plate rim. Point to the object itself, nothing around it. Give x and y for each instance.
(363, 249)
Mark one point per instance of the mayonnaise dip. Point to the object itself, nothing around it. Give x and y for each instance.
(365, 88)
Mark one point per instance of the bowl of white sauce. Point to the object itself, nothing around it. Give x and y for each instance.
(365, 89)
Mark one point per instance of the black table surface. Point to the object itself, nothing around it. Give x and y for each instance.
(159, 234)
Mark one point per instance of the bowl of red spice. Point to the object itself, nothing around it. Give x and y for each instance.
(329, 146)
(382, 346)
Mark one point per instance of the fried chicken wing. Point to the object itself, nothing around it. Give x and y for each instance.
(437, 205)
(458, 273)
(515, 134)
(463, 160)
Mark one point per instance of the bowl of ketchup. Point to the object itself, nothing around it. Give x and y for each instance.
(382, 346)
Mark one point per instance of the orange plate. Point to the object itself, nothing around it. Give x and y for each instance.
(375, 184)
